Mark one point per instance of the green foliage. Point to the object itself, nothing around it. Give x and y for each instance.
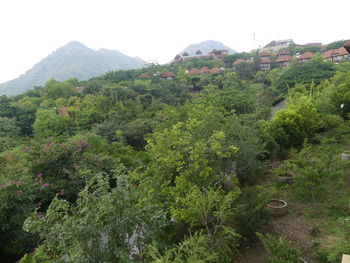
(335, 44)
(194, 249)
(279, 250)
(104, 224)
(49, 123)
(315, 71)
(37, 257)
(342, 246)
(251, 213)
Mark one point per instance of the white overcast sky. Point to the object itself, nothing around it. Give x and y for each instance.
(158, 29)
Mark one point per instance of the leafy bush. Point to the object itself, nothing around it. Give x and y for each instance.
(279, 250)
(250, 213)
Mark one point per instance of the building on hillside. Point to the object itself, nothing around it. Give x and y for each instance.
(276, 45)
(305, 57)
(199, 54)
(283, 53)
(194, 72)
(216, 70)
(265, 64)
(145, 76)
(219, 53)
(336, 55)
(167, 75)
(284, 61)
(265, 54)
(347, 46)
(205, 70)
(177, 58)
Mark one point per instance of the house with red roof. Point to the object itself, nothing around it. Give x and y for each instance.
(205, 70)
(167, 75)
(283, 53)
(347, 46)
(216, 70)
(265, 54)
(336, 55)
(194, 71)
(145, 76)
(284, 61)
(265, 64)
(305, 57)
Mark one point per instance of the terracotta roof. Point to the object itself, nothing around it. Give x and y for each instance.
(306, 55)
(167, 74)
(238, 61)
(265, 60)
(283, 53)
(205, 70)
(185, 54)
(194, 71)
(283, 59)
(341, 51)
(145, 76)
(198, 52)
(335, 52)
(328, 53)
(347, 45)
(264, 54)
(215, 70)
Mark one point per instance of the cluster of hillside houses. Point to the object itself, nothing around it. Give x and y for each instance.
(268, 56)
(185, 56)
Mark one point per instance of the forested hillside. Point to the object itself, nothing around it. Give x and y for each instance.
(142, 166)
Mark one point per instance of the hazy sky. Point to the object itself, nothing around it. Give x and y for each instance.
(159, 29)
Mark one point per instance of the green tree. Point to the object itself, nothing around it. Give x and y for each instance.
(48, 123)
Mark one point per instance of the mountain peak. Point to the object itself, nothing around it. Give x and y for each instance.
(71, 60)
(74, 44)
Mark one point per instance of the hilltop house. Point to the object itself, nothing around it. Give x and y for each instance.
(265, 64)
(278, 44)
(305, 57)
(283, 53)
(336, 55)
(198, 54)
(264, 54)
(205, 71)
(145, 76)
(347, 46)
(284, 61)
(167, 75)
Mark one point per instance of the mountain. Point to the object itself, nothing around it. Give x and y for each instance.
(71, 60)
(206, 47)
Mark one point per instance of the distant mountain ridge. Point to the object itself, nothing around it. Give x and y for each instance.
(69, 61)
(206, 47)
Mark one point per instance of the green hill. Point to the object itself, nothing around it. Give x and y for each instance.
(71, 60)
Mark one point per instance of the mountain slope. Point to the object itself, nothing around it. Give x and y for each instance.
(206, 47)
(71, 60)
